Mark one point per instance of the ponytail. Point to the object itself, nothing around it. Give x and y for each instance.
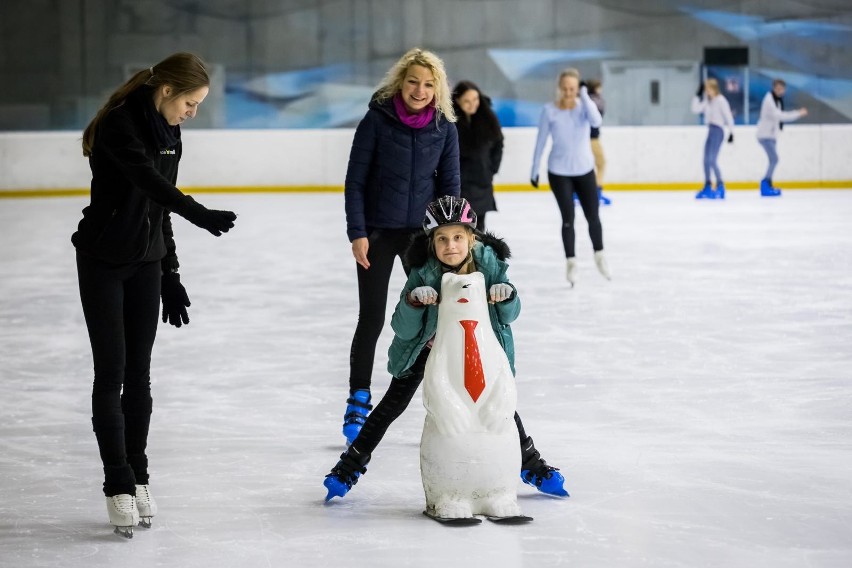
(184, 72)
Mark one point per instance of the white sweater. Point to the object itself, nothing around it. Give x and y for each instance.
(716, 111)
(771, 116)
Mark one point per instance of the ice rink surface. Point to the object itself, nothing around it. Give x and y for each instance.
(700, 404)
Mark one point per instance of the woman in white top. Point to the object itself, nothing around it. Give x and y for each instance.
(717, 116)
(772, 114)
(571, 164)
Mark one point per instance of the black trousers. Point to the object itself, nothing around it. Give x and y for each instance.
(586, 188)
(121, 305)
(393, 404)
(385, 246)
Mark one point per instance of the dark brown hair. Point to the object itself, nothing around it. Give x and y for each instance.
(484, 127)
(183, 72)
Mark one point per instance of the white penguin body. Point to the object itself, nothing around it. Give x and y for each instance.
(469, 452)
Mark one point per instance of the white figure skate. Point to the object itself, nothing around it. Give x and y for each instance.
(122, 514)
(145, 505)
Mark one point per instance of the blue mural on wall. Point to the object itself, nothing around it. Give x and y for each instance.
(336, 96)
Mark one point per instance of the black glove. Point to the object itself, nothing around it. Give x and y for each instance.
(534, 181)
(175, 300)
(700, 92)
(215, 221)
(730, 138)
(584, 84)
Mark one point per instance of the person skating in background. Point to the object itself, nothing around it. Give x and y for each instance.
(596, 94)
(771, 121)
(126, 261)
(449, 242)
(571, 165)
(717, 117)
(480, 147)
(405, 153)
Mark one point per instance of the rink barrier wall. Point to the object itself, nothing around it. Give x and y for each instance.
(50, 164)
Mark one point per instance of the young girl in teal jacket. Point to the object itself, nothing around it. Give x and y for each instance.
(449, 243)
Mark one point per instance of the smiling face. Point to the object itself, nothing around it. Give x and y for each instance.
(452, 244)
(418, 88)
(469, 102)
(177, 110)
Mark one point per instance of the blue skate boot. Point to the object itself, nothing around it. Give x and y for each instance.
(706, 192)
(766, 189)
(346, 473)
(603, 198)
(357, 408)
(536, 472)
(720, 190)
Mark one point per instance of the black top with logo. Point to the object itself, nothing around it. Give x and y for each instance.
(134, 171)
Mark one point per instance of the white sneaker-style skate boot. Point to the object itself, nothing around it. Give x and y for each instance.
(603, 266)
(122, 514)
(572, 273)
(146, 505)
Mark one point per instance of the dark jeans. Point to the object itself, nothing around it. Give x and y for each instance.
(394, 403)
(385, 246)
(586, 188)
(121, 305)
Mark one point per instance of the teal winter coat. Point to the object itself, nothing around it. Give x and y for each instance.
(414, 326)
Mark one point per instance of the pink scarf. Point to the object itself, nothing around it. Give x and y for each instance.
(414, 120)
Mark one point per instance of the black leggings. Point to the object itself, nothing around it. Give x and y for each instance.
(586, 188)
(121, 305)
(394, 403)
(385, 246)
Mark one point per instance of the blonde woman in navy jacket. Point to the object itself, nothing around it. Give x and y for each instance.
(404, 155)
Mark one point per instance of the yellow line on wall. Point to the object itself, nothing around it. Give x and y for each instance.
(662, 186)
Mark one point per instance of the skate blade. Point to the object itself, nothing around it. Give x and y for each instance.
(514, 520)
(454, 522)
(145, 522)
(126, 532)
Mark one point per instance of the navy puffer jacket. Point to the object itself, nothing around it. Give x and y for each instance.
(395, 171)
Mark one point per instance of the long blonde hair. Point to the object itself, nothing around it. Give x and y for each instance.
(392, 83)
(183, 72)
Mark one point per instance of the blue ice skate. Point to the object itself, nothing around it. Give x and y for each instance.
(720, 190)
(766, 189)
(706, 192)
(346, 473)
(357, 409)
(603, 198)
(536, 472)
(550, 482)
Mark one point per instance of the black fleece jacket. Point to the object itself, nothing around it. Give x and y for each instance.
(132, 190)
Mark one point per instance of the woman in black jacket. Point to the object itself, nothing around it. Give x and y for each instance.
(405, 154)
(126, 260)
(480, 147)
